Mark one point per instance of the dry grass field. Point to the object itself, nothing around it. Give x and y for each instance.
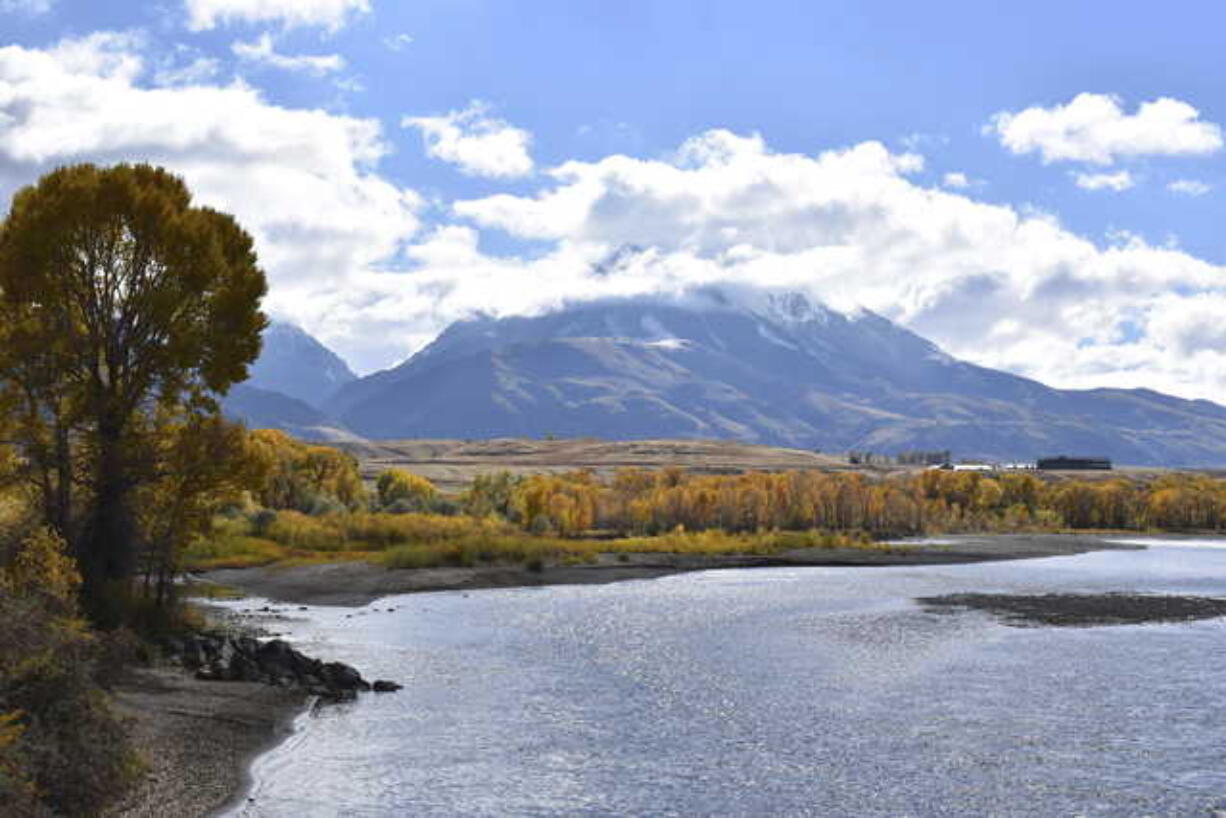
(452, 464)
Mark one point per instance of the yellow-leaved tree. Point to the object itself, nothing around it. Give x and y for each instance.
(400, 490)
(121, 304)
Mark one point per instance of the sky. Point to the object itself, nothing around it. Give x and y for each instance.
(1036, 187)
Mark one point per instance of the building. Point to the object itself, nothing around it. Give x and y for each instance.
(1066, 463)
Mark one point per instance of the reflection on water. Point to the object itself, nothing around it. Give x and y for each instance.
(819, 691)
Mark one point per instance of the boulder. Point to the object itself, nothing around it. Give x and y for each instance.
(220, 657)
(342, 677)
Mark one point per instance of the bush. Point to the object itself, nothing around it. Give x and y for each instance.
(303, 477)
(232, 552)
(261, 520)
(404, 492)
(62, 749)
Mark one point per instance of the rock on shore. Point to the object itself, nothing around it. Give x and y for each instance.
(229, 658)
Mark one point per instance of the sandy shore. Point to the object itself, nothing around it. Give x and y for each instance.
(358, 583)
(199, 738)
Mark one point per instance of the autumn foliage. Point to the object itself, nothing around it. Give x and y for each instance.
(303, 477)
(125, 311)
(652, 502)
(62, 750)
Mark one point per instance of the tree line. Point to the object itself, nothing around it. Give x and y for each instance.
(652, 502)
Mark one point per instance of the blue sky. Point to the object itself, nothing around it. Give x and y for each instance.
(1076, 239)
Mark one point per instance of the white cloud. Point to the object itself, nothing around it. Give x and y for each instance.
(1094, 128)
(478, 143)
(304, 182)
(1002, 286)
(1104, 181)
(1189, 187)
(30, 7)
(956, 179)
(329, 14)
(397, 43)
(105, 54)
(262, 51)
(197, 72)
(993, 284)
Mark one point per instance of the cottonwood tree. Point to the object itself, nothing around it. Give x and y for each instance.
(120, 302)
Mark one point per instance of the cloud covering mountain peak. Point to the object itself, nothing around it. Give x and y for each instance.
(377, 269)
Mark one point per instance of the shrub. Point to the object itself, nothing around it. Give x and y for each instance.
(261, 520)
(232, 552)
(62, 749)
(406, 491)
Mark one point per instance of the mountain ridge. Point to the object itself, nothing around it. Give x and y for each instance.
(294, 363)
(758, 366)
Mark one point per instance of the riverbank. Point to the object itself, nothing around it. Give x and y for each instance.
(198, 738)
(358, 583)
(218, 699)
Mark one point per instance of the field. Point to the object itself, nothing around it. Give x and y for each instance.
(452, 464)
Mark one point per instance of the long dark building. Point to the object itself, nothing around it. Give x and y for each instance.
(1065, 463)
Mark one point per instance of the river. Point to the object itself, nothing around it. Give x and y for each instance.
(814, 691)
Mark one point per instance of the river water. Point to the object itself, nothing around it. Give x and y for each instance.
(815, 691)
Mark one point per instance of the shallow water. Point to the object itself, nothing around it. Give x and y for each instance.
(815, 691)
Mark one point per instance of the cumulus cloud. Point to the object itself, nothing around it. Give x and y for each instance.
(853, 227)
(1095, 128)
(198, 71)
(992, 283)
(1189, 187)
(1104, 181)
(203, 15)
(261, 51)
(304, 182)
(476, 142)
(105, 54)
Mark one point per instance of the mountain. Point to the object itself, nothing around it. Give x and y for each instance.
(756, 366)
(295, 364)
(267, 409)
(289, 381)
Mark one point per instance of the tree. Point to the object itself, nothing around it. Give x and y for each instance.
(404, 490)
(206, 461)
(490, 494)
(302, 477)
(119, 302)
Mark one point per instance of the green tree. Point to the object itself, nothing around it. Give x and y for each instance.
(119, 301)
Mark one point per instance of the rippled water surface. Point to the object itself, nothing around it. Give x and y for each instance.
(817, 691)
